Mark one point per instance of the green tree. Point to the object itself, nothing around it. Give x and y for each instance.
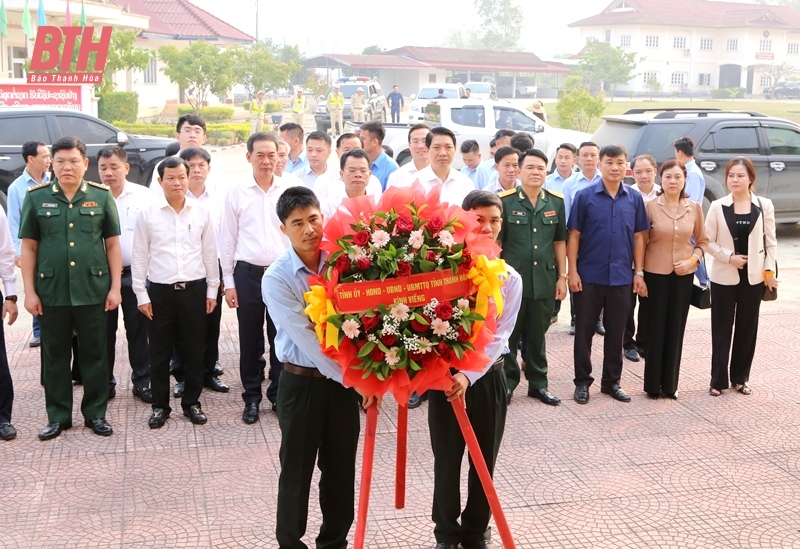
(500, 29)
(604, 66)
(577, 106)
(653, 86)
(776, 73)
(290, 53)
(202, 67)
(259, 68)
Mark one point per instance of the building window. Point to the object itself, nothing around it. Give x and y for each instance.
(707, 44)
(765, 45)
(679, 42)
(651, 41)
(678, 78)
(732, 44)
(647, 76)
(766, 80)
(151, 72)
(794, 48)
(16, 61)
(590, 39)
(608, 35)
(625, 41)
(704, 79)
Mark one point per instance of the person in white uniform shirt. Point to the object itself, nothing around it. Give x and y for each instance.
(441, 144)
(318, 151)
(175, 248)
(131, 199)
(507, 167)
(645, 168)
(330, 187)
(355, 178)
(250, 240)
(282, 161)
(9, 309)
(419, 157)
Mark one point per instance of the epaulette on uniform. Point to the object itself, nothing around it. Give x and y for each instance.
(41, 185)
(507, 192)
(554, 193)
(99, 185)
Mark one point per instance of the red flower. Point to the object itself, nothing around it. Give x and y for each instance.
(369, 322)
(418, 326)
(431, 255)
(360, 344)
(444, 351)
(436, 223)
(376, 354)
(416, 356)
(361, 238)
(389, 340)
(444, 310)
(342, 263)
(403, 269)
(463, 336)
(363, 263)
(467, 256)
(404, 224)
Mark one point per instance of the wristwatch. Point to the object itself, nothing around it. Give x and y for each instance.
(564, 275)
(639, 273)
(12, 298)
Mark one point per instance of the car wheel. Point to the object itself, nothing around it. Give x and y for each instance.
(779, 95)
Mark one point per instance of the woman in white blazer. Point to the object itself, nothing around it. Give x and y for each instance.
(738, 226)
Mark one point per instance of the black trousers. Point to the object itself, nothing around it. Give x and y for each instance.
(319, 423)
(615, 302)
(6, 385)
(486, 408)
(252, 312)
(636, 330)
(734, 315)
(135, 333)
(184, 312)
(667, 307)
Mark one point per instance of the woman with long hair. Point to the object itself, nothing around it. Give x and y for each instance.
(674, 247)
(741, 238)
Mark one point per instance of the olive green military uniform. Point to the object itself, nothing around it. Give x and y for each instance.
(527, 240)
(72, 282)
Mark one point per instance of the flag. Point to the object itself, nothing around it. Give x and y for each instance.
(68, 16)
(3, 19)
(26, 22)
(42, 22)
(83, 16)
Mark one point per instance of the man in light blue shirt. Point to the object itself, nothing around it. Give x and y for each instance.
(565, 161)
(293, 135)
(36, 156)
(695, 185)
(310, 387)
(487, 172)
(588, 158)
(382, 166)
(471, 155)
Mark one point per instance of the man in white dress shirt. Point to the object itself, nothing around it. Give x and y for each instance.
(506, 161)
(331, 188)
(9, 308)
(250, 240)
(131, 199)
(355, 178)
(175, 248)
(282, 161)
(419, 157)
(318, 151)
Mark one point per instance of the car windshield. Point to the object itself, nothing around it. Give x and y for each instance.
(349, 90)
(654, 139)
(479, 87)
(432, 93)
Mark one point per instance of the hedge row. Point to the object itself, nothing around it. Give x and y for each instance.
(728, 93)
(118, 106)
(213, 130)
(209, 114)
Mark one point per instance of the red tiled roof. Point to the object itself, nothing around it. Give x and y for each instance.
(363, 62)
(695, 13)
(453, 58)
(181, 19)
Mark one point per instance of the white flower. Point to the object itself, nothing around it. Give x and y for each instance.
(430, 307)
(446, 238)
(391, 358)
(380, 238)
(350, 328)
(408, 258)
(416, 239)
(440, 327)
(355, 253)
(463, 304)
(399, 311)
(425, 345)
(373, 338)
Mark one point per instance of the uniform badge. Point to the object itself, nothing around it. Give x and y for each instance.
(550, 213)
(89, 205)
(521, 214)
(49, 205)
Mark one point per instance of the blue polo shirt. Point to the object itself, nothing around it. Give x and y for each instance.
(296, 165)
(607, 226)
(555, 182)
(484, 173)
(575, 183)
(383, 167)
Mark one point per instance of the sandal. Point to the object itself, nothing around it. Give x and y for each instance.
(714, 392)
(743, 388)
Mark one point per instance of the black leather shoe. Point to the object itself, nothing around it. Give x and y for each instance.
(216, 385)
(553, 319)
(53, 430)
(112, 392)
(158, 418)
(144, 393)
(218, 369)
(7, 431)
(509, 394)
(178, 390)
(35, 342)
(250, 414)
(446, 546)
(582, 394)
(544, 396)
(632, 355)
(599, 329)
(274, 407)
(480, 545)
(196, 415)
(261, 375)
(572, 330)
(416, 400)
(654, 396)
(615, 392)
(640, 350)
(100, 427)
(673, 396)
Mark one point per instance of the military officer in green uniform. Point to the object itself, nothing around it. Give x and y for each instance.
(72, 270)
(534, 241)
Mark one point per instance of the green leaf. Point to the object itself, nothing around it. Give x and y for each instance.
(336, 320)
(458, 350)
(366, 350)
(419, 318)
(426, 266)
(457, 255)
(382, 347)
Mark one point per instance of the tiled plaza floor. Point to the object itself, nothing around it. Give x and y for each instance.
(699, 472)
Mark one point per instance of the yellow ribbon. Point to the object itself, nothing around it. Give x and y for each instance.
(318, 309)
(488, 275)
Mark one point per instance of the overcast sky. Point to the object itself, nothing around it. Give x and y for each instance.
(419, 23)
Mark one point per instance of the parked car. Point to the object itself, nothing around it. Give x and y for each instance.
(481, 90)
(773, 144)
(784, 90)
(18, 125)
(416, 113)
(376, 105)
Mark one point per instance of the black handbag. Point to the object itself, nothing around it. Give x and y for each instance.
(701, 295)
(769, 294)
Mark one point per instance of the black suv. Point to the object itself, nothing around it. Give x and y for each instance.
(773, 144)
(784, 90)
(18, 125)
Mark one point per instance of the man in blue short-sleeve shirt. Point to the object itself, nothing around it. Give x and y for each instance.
(607, 224)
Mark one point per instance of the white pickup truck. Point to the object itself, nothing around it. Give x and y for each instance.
(480, 120)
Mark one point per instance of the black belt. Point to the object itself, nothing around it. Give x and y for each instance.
(301, 370)
(250, 266)
(178, 286)
(126, 270)
(498, 364)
